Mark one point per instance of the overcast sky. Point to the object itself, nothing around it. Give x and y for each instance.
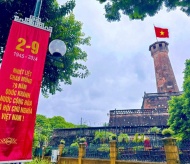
(120, 63)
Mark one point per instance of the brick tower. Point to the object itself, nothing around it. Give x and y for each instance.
(165, 78)
(154, 109)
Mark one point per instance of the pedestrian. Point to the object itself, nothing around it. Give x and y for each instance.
(147, 145)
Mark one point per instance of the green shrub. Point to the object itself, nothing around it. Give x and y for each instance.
(39, 161)
(65, 151)
(123, 137)
(104, 148)
(136, 148)
(75, 144)
(48, 151)
(154, 130)
(138, 138)
(74, 148)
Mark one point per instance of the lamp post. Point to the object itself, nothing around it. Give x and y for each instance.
(38, 8)
(57, 47)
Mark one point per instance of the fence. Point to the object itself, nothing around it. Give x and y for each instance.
(156, 151)
(151, 152)
(98, 151)
(184, 151)
(72, 134)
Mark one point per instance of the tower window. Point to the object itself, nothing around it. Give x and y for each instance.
(154, 47)
(160, 45)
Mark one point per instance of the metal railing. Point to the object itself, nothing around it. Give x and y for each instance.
(184, 151)
(138, 151)
(70, 151)
(101, 151)
(138, 111)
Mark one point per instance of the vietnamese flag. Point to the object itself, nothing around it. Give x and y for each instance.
(161, 32)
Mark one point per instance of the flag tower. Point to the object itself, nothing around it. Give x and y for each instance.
(165, 78)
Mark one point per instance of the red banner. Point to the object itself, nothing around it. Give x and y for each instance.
(20, 81)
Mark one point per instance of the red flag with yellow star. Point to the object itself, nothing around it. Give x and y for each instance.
(161, 32)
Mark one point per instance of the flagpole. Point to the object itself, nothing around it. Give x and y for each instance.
(156, 39)
(155, 35)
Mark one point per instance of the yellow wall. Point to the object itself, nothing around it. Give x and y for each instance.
(65, 160)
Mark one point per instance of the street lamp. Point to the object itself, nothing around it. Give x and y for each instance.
(57, 48)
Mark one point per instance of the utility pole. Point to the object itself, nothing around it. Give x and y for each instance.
(115, 122)
(80, 127)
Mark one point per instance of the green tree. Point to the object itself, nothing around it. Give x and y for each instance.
(179, 108)
(139, 9)
(57, 122)
(42, 132)
(65, 28)
(44, 128)
(24, 8)
(70, 31)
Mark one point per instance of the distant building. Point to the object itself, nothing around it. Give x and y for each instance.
(154, 109)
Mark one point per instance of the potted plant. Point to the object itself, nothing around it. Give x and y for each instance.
(112, 137)
(62, 141)
(82, 140)
(167, 132)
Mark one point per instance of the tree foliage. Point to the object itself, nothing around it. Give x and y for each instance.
(154, 130)
(24, 8)
(44, 128)
(65, 27)
(138, 138)
(167, 131)
(62, 69)
(103, 136)
(179, 108)
(58, 122)
(140, 9)
(123, 137)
